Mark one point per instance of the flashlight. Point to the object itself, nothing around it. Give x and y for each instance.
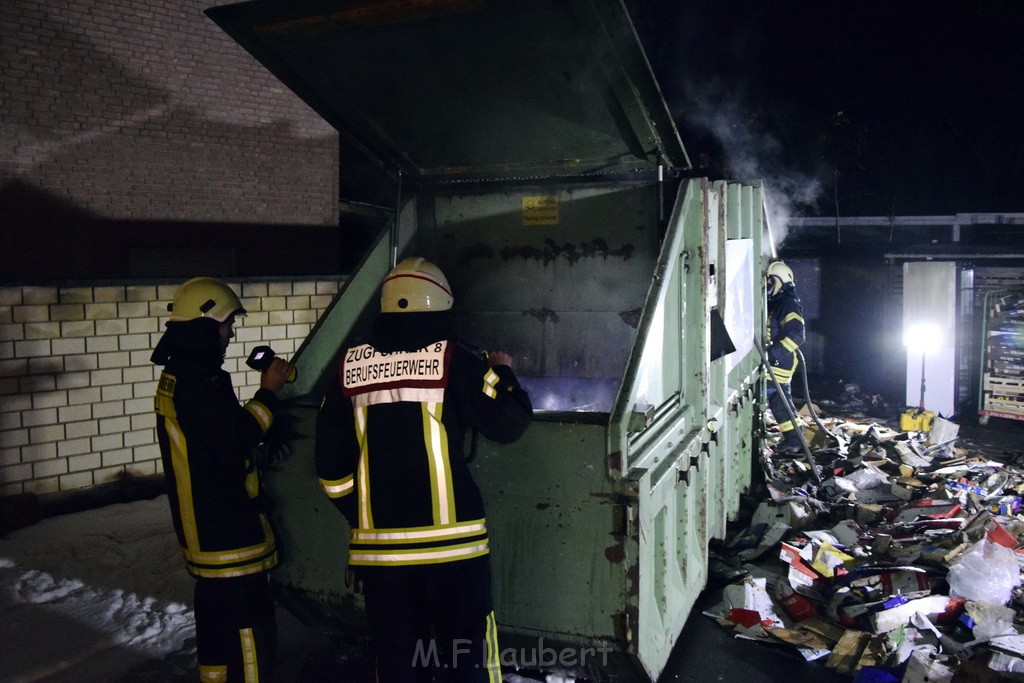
(260, 358)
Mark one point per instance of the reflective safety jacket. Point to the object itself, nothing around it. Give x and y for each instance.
(206, 443)
(390, 449)
(785, 332)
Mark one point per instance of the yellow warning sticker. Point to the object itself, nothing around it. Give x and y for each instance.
(540, 210)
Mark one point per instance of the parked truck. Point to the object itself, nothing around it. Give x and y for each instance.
(536, 162)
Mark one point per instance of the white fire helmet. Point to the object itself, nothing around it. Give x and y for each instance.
(777, 275)
(204, 297)
(415, 285)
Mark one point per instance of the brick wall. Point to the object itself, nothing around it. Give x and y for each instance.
(144, 119)
(77, 386)
(147, 110)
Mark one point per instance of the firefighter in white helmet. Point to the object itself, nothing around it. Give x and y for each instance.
(389, 453)
(206, 442)
(785, 335)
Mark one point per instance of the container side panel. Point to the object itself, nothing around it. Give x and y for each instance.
(665, 389)
(673, 557)
(564, 560)
(311, 534)
(691, 456)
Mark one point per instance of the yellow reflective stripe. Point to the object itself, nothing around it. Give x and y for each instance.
(182, 482)
(787, 426)
(435, 438)
(420, 534)
(358, 556)
(213, 674)
(491, 381)
(244, 570)
(491, 638)
(252, 483)
(788, 344)
(250, 668)
(262, 414)
(399, 395)
(338, 488)
(363, 470)
(793, 316)
(164, 405)
(268, 533)
(230, 557)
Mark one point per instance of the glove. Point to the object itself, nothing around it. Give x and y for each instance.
(276, 449)
(777, 354)
(270, 457)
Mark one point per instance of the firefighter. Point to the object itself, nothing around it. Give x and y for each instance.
(785, 335)
(207, 439)
(389, 453)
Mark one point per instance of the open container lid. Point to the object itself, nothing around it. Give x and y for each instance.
(463, 90)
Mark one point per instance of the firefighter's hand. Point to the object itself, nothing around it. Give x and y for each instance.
(271, 456)
(275, 449)
(275, 376)
(498, 358)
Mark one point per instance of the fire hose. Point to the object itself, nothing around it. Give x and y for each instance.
(810, 404)
(792, 413)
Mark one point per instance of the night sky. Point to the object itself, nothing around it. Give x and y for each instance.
(895, 107)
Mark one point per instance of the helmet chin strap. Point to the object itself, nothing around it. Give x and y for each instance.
(774, 285)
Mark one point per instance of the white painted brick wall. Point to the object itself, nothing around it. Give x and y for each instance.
(77, 386)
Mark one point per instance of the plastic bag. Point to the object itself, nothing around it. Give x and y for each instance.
(990, 620)
(867, 478)
(985, 572)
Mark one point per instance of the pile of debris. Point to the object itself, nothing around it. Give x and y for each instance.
(900, 555)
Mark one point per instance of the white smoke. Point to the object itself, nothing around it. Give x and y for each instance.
(749, 153)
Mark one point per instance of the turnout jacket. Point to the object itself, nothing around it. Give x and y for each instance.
(206, 443)
(390, 441)
(785, 332)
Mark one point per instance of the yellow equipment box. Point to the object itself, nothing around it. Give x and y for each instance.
(916, 420)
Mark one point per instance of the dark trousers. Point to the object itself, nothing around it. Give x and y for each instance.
(777, 402)
(236, 631)
(432, 622)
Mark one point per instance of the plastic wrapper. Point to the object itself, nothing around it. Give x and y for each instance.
(985, 572)
(988, 620)
(1004, 505)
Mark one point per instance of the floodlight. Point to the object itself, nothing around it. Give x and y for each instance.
(923, 338)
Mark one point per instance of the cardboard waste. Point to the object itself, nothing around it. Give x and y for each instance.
(902, 564)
